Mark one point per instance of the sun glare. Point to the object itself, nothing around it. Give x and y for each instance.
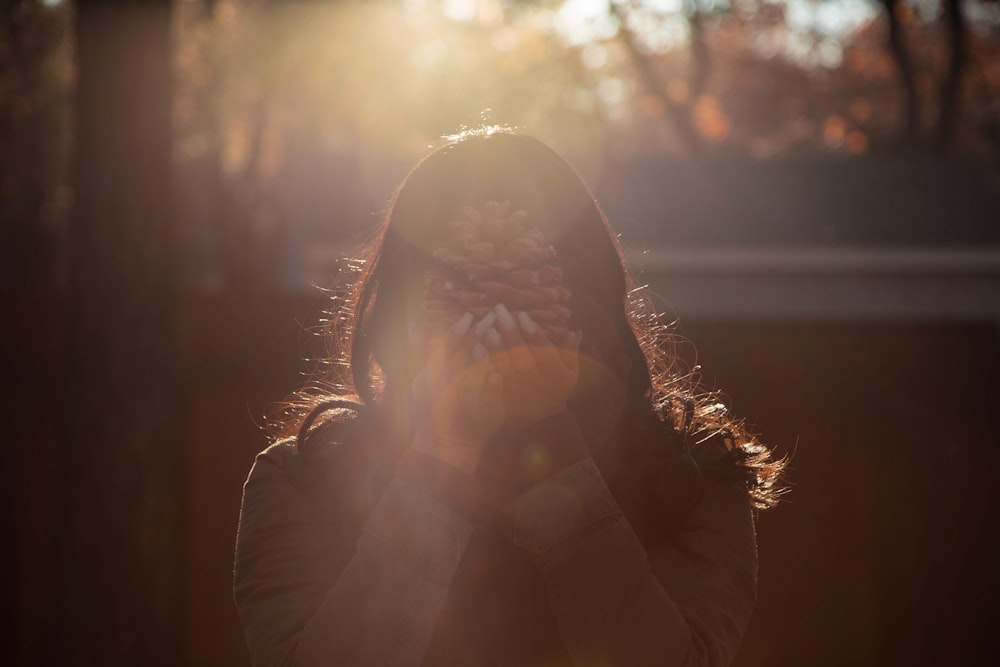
(581, 22)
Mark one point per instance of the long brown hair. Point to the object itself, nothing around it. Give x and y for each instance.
(632, 375)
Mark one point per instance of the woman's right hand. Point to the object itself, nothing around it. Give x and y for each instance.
(458, 395)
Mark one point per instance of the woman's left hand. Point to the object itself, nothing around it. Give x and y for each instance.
(538, 375)
(457, 396)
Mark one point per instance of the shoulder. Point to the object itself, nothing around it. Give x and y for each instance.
(717, 534)
(322, 480)
(725, 508)
(724, 496)
(329, 447)
(720, 526)
(684, 484)
(326, 483)
(294, 536)
(279, 457)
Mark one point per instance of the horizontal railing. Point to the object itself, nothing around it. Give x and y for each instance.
(867, 283)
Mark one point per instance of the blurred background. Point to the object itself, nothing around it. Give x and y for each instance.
(811, 186)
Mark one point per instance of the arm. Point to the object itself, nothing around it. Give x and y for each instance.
(677, 604)
(307, 594)
(310, 591)
(615, 602)
(686, 603)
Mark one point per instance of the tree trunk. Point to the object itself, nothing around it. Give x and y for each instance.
(700, 57)
(905, 66)
(116, 591)
(949, 86)
(679, 117)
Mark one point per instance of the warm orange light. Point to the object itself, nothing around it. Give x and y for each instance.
(857, 142)
(710, 120)
(834, 131)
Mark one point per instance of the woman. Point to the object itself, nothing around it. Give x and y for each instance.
(514, 473)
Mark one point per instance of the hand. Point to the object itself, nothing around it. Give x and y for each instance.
(537, 375)
(458, 396)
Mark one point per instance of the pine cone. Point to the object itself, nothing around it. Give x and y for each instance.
(495, 256)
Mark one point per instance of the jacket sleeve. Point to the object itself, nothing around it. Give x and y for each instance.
(681, 603)
(308, 593)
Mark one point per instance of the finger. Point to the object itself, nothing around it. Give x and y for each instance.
(481, 367)
(517, 344)
(537, 345)
(468, 347)
(498, 352)
(444, 349)
(529, 327)
(475, 371)
(570, 352)
(509, 327)
(546, 354)
(482, 392)
(516, 358)
(492, 390)
(485, 324)
(461, 328)
(505, 321)
(471, 379)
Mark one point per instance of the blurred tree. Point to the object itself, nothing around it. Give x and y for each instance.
(957, 59)
(679, 112)
(833, 47)
(35, 76)
(630, 64)
(269, 94)
(904, 67)
(115, 598)
(274, 97)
